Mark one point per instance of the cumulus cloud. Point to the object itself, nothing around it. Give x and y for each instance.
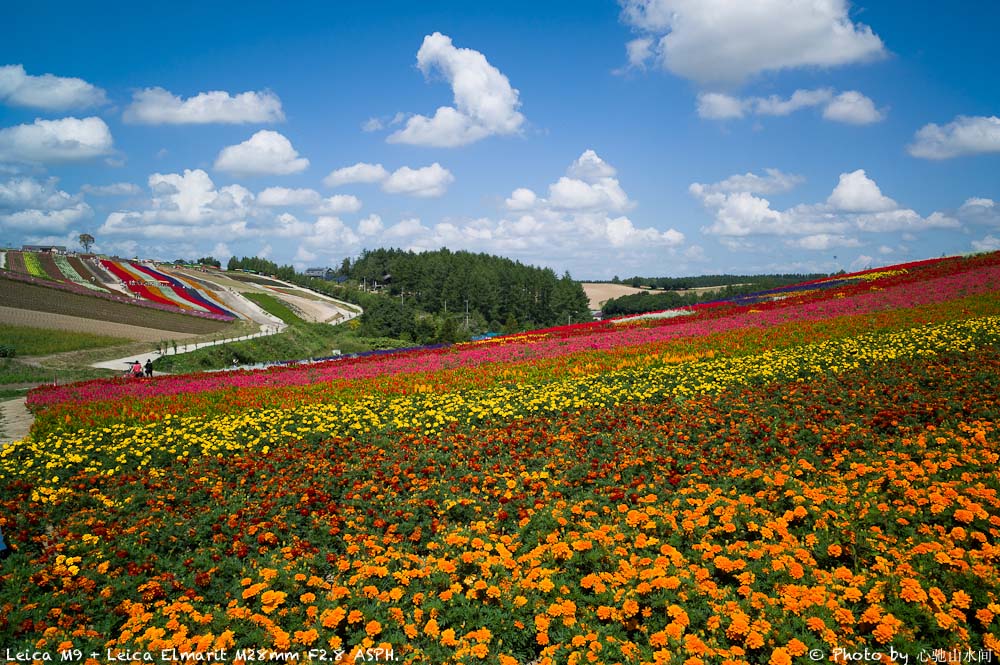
(56, 141)
(284, 197)
(429, 181)
(265, 153)
(849, 107)
(980, 211)
(186, 206)
(485, 102)
(338, 204)
(720, 106)
(370, 225)
(156, 106)
(30, 205)
(47, 92)
(988, 244)
(774, 182)
(853, 108)
(856, 192)
(114, 189)
(521, 198)
(359, 173)
(964, 135)
(723, 42)
(856, 205)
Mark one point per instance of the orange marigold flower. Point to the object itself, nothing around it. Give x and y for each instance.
(480, 651)
(431, 628)
(507, 660)
(373, 628)
(985, 616)
(754, 640)
(964, 516)
(271, 599)
(630, 607)
(306, 637)
(780, 656)
(355, 616)
(796, 648)
(448, 638)
(307, 598)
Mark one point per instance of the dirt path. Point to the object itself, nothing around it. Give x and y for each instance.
(15, 421)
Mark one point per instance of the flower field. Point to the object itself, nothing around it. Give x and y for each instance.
(762, 481)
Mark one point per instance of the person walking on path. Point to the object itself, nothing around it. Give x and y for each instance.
(149, 368)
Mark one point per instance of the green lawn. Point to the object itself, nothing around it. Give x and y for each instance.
(274, 307)
(41, 342)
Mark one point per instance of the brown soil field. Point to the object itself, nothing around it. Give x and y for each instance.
(598, 294)
(50, 267)
(32, 297)
(50, 321)
(15, 263)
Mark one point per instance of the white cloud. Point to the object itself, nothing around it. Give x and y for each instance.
(724, 42)
(485, 102)
(719, 106)
(36, 206)
(980, 211)
(822, 241)
(773, 183)
(336, 205)
(55, 141)
(429, 181)
(114, 189)
(283, 197)
(988, 244)
(849, 107)
(47, 92)
(359, 173)
(962, 136)
(405, 229)
(800, 99)
(265, 153)
(186, 206)
(639, 51)
(855, 205)
(853, 108)
(856, 192)
(521, 198)
(590, 168)
(370, 225)
(156, 106)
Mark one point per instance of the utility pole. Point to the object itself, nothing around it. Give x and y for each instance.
(466, 313)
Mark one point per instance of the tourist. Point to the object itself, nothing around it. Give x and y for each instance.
(149, 367)
(136, 370)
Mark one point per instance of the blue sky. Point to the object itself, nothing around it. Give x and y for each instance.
(651, 137)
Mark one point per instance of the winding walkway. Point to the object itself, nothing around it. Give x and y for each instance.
(15, 421)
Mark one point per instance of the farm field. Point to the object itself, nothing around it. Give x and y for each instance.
(757, 482)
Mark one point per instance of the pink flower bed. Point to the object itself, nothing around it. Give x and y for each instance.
(861, 298)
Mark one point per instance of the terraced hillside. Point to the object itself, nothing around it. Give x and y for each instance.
(38, 297)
